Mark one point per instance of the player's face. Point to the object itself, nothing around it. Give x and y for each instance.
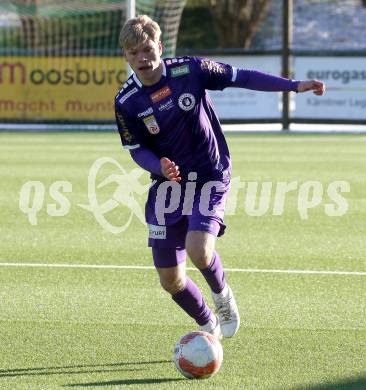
(144, 60)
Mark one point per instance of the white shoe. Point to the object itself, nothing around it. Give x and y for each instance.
(228, 312)
(213, 327)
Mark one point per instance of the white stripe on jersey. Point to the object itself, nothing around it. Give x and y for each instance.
(137, 81)
(235, 73)
(127, 95)
(173, 61)
(130, 147)
(164, 68)
(127, 83)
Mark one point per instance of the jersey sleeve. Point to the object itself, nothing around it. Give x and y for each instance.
(215, 75)
(127, 129)
(259, 81)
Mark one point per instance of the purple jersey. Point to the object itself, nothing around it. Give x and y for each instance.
(175, 118)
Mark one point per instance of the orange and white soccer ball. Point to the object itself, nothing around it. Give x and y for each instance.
(198, 355)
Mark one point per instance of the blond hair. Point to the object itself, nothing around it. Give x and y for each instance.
(137, 30)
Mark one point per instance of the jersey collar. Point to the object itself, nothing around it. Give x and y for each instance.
(138, 82)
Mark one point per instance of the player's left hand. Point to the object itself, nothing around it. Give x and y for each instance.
(318, 87)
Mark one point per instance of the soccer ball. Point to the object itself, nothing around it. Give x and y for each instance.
(198, 355)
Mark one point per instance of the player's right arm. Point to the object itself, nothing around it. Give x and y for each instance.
(142, 155)
(169, 169)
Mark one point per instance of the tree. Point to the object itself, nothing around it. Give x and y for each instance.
(237, 21)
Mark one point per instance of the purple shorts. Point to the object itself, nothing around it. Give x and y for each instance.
(201, 209)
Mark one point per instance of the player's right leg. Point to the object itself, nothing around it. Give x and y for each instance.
(170, 265)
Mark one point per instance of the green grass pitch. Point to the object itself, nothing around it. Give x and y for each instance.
(109, 328)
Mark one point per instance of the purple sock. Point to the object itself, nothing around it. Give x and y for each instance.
(191, 301)
(214, 274)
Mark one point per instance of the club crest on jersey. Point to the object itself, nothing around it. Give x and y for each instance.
(186, 101)
(151, 124)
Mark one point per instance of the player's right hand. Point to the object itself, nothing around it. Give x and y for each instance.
(169, 169)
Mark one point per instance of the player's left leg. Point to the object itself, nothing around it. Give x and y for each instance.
(205, 224)
(170, 265)
(200, 248)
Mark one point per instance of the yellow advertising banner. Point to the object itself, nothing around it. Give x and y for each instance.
(60, 88)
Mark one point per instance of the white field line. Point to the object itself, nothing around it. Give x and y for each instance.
(142, 267)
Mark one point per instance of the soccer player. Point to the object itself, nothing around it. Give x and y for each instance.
(167, 122)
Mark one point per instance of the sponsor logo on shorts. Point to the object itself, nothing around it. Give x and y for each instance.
(186, 101)
(127, 95)
(180, 71)
(166, 106)
(207, 225)
(157, 232)
(151, 124)
(147, 112)
(161, 94)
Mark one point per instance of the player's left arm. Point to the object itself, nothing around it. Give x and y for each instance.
(218, 76)
(260, 81)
